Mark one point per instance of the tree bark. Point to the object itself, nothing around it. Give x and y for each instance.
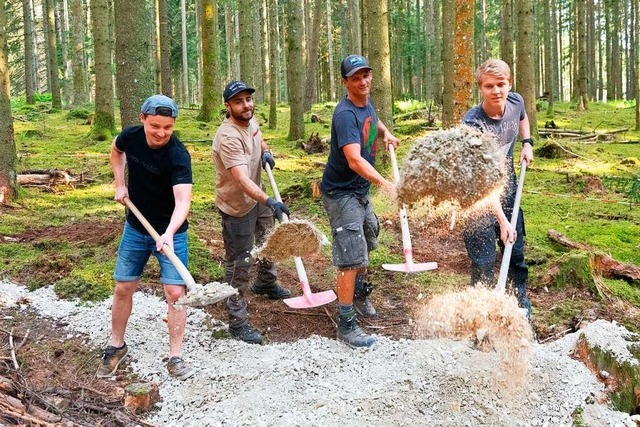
(258, 77)
(104, 122)
(295, 69)
(448, 65)
(52, 56)
(29, 52)
(272, 10)
(211, 95)
(246, 41)
(165, 49)
(80, 90)
(332, 74)
(525, 65)
(437, 60)
(581, 53)
(134, 72)
(463, 60)
(264, 49)
(380, 60)
(8, 186)
(355, 32)
(311, 92)
(506, 33)
(548, 57)
(185, 62)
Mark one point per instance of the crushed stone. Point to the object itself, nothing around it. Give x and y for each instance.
(460, 165)
(613, 338)
(319, 381)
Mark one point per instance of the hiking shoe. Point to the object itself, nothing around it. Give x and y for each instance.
(179, 369)
(246, 333)
(274, 291)
(364, 306)
(351, 334)
(111, 359)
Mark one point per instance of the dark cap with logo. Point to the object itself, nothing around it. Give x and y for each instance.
(353, 63)
(152, 103)
(234, 88)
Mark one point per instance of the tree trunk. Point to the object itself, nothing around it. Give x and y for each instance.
(80, 90)
(637, 47)
(295, 69)
(104, 123)
(463, 60)
(8, 186)
(311, 92)
(52, 56)
(165, 49)
(581, 81)
(134, 72)
(429, 31)
(332, 74)
(258, 77)
(616, 66)
(380, 60)
(448, 65)
(29, 52)
(526, 69)
(185, 62)
(272, 9)
(61, 16)
(506, 33)
(437, 59)
(634, 23)
(548, 57)
(246, 41)
(211, 95)
(355, 32)
(264, 50)
(553, 29)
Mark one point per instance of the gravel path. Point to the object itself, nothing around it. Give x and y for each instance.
(318, 381)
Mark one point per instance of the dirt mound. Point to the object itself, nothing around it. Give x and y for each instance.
(293, 238)
(460, 165)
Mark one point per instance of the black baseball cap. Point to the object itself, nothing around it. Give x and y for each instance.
(353, 63)
(235, 87)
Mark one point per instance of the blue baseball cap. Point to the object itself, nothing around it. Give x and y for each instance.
(353, 63)
(234, 88)
(159, 101)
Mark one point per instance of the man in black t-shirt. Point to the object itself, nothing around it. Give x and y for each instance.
(159, 184)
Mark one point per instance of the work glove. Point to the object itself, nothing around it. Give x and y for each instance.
(278, 208)
(267, 158)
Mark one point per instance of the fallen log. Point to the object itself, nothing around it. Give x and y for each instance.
(602, 263)
(45, 177)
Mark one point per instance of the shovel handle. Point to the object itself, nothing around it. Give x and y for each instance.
(274, 187)
(506, 256)
(182, 270)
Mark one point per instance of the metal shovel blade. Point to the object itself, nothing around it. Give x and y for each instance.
(411, 268)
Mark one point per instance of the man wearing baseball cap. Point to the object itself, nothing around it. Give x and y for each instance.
(247, 212)
(159, 184)
(348, 175)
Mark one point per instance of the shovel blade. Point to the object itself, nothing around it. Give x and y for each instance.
(211, 293)
(311, 300)
(411, 268)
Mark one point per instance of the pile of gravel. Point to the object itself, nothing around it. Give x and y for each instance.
(459, 165)
(318, 381)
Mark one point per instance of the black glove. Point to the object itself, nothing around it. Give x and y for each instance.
(278, 208)
(267, 158)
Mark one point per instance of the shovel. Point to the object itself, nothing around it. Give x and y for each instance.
(308, 299)
(408, 266)
(508, 247)
(197, 295)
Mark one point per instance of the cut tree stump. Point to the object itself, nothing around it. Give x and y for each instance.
(602, 263)
(140, 397)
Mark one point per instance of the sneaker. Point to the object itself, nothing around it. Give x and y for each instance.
(361, 299)
(179, 369)
(246, 333)
(351, 334)
(274, 291)
(111, 359)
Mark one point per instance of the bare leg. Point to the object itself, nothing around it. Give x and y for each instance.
(346, 285)
(176, 318)
(121, 310)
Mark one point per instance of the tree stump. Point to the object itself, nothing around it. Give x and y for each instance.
(140, 397)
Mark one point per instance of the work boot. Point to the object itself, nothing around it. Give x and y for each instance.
(524, 303)
(111, 359)
(362, 300)
(179, 369)
(246, 333)
(350, 333)
(273, 291)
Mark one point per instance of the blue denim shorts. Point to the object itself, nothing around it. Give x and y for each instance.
(354, 228)
(134, 251)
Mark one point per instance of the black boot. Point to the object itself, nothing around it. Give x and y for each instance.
(246, 333)
(361, 298)
(350, 333)
(274, 291)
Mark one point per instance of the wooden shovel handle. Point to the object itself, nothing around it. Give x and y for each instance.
(182, 270)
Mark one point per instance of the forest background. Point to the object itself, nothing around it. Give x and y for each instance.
(73, 72)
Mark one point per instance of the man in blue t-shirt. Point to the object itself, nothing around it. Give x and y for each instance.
(349, 172)
(159, 184)
(502, 113)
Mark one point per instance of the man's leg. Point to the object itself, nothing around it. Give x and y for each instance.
(121, 310)
(480, 241)
(176, 318)
(363, 289)
(266, 281)
(518, 270)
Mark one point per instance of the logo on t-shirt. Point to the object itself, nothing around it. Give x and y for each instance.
(369, 136)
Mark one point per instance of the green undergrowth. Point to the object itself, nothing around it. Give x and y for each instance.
(62, 140)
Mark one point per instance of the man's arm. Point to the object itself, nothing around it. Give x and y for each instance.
(118, 161)
(386, 135)
(182, 197)
(525, 133)
(363, 168)
(507, 232)
(241, 174)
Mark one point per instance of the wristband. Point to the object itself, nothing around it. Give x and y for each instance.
(527, 141)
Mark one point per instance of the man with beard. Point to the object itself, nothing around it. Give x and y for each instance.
(247, 211)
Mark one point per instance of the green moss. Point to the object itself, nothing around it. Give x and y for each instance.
(575, 271)
(90, 283)
(577, 417)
